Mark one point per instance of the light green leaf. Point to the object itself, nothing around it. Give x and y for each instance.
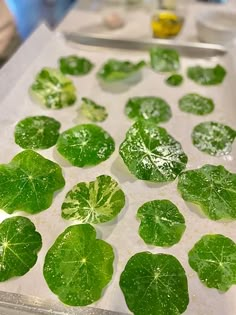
(161, 223)
(196, 104)
(78, 266)
(164, 60)
(75, 65)
(94, 202)
(211, 187)
(213, 257)
(154, 284)
(93, 111)
(19, 245)
(207, 76)
(175, 80)
(28, 183)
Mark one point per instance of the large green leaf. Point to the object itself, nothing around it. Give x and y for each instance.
(213, 138)
(94, 202)
(149, 107)
(85, 145)
(150, 153)
(92, 110)
(75, 65)
(78, 266)
(164, 60)
(154, 284)
(19, 245)
(207, 76)
(175, 80)
(37, 132)
(211, 187)
(213, 257)
(28, 183)
(52, 89)
(196, 104)
(161, 223)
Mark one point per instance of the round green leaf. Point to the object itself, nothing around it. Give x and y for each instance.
(85, 145)
(52, 89)
(164, 60)
(28, 183)
(207, 76)
(94, 202)
(150, 107)
(37, 132)
(75, 65)
(213, 257)
(175, 80)
(150, 153)
(196, 104)
(93, 111)
(78, 266)
(154, 284)
(161, 223)
(211, 187)
(213, 138)
(19, 245)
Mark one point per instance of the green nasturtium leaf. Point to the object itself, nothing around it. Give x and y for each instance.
(196, 104)
(93, 111)
(207, 76)
(164, 60)
(52, 89)
(75, 65)
(213, 138)
(211, 187)
(78, 266)
(213, 257)
(37, 132)
(175, 80)
(149, 107)
(94, 202)
(161, 223)
(116, 70)
(150, 153)
(85, 145)
(19, 245)
(154, 284)
(28, 183)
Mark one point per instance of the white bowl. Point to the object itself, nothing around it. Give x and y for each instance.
(217, 27)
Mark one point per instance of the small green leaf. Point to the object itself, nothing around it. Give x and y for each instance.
(52, 89)
(85, 145)
(213, 257)
(37, 132)
(196, 104)
(213, 138)
(175, 80)
(150, 153)
(164, 60)
(207, 76)
(154, 284)
(150, 107)
(19, 245)
(28, 183)
(93, 111)
(161, 223)
(78, 266)
(75, 65)
(116, 70)
(211, 187)
(94, 202)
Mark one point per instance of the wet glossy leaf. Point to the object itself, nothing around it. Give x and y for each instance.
(52, 89)
(37, 132)
(213, 138)
(94, 202)
(85, 145)
(93, 111)
(213, 257)
(154, 284)
(164, 60)
(78, 266)
(75, 65)
(161, 223)
(29, 182)
(196, 104)
(150, 107)
(207, 76)
(150, 153)
(175, 80)
(211, 187)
